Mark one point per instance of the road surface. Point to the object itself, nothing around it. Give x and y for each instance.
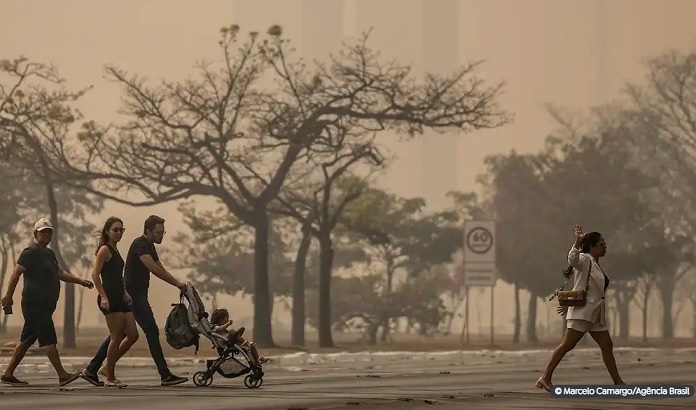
(485, 382)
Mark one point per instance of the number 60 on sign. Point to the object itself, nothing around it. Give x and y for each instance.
(479, 242)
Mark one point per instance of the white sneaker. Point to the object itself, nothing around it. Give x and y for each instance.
(116, 383)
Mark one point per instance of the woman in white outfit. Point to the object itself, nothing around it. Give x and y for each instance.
(592, 317)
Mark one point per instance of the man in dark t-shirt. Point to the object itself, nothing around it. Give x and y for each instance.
(136, 273)
(141, 260)
(42, 275)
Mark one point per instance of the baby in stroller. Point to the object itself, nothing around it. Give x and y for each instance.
(220, 320)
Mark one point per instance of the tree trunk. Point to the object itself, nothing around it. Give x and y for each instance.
(298, 290)
(4, 254)
(693, 312)
(388, 290)
(263, 329)
(423, 329)
(623, 321)
(79, 310)
(372, 334)
(390, 273)
(531, 319)
(13, 257)
(518, 320)
(667, 284)
(623, 298)
(646, 299)
(326, 254)
(69, 312)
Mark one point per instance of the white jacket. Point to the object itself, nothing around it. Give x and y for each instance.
(581, 263)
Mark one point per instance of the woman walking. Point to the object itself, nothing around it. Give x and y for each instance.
(587, 274)
(113, 300)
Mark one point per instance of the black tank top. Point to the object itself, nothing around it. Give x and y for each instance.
(112, 271)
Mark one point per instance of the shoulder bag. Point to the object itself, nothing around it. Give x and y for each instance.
(573, 297)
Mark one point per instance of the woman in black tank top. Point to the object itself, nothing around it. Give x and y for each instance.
(112, 281)
(113, 300)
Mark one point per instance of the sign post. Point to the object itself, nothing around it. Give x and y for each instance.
(479, 261)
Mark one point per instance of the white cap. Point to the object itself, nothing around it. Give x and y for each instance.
(42, 224)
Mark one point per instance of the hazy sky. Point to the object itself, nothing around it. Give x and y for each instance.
(572, 53)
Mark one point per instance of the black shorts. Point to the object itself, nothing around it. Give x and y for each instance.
(38, 324)
(116, 301)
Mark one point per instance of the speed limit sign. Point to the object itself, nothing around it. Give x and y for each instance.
(479, 242)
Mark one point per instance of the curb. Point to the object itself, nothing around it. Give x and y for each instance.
(37, 364)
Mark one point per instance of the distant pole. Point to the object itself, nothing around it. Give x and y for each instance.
(466, 313)
(492, 310)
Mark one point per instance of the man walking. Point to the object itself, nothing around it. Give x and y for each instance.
(141, 260)
(42, 276)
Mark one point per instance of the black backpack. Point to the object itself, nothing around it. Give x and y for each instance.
(178, 330)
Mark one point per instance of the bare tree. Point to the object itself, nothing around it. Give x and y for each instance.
(35, 112)
(665, 109)
(645, 285)
(224, 134)
(689, 293)
(667, 103)
(319, 200)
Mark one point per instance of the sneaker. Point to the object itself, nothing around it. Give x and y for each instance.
(174, 380)
(116, 383)
(93, 379)
(12, 381)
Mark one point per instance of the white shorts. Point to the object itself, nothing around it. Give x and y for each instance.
(585, 326)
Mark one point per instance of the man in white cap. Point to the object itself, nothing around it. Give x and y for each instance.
(42, 276)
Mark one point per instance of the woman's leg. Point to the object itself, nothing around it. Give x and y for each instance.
(131, 331)
(116, 326)
(606, 345)
(570, 339)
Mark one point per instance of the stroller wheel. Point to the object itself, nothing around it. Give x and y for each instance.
(252, 382)
(201, 379)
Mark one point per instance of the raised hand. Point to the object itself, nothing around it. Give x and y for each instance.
(577, 230)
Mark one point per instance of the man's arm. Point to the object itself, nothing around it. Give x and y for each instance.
(158, 270)
(70, 278)
(14, 280)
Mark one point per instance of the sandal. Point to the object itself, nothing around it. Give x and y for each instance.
(69, 379)
(116, 383)
(541, 384)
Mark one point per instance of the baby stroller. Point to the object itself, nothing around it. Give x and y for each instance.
(233, 360)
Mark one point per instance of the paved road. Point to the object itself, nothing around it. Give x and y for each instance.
(482, 383)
